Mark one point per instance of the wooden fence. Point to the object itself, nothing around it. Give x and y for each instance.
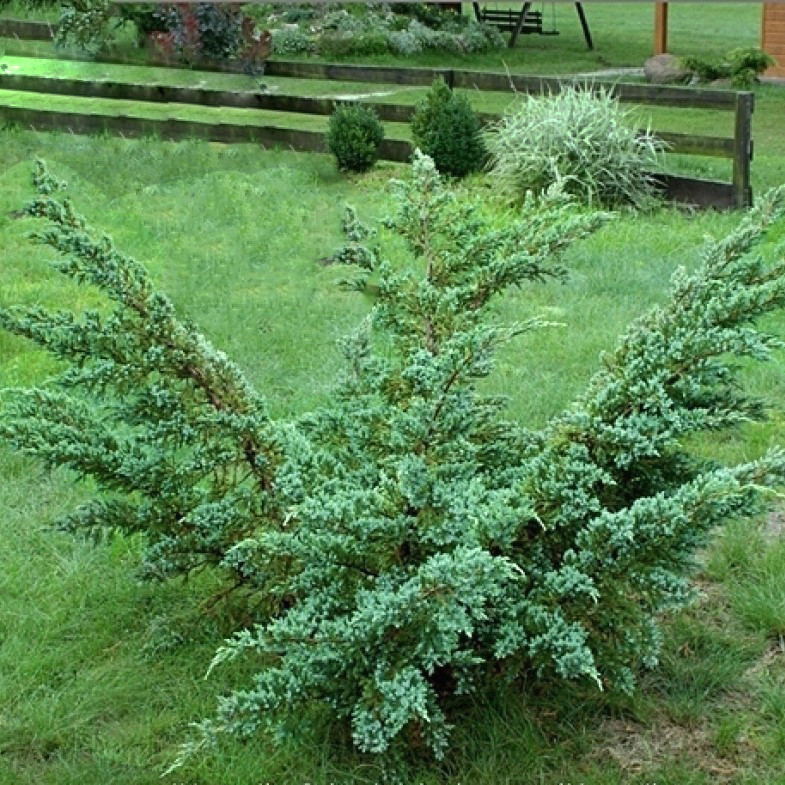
(27, 31)
(171, 128)
(738, 148)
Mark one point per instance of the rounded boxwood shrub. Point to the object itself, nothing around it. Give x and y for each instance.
(445, 127)
(354, 137)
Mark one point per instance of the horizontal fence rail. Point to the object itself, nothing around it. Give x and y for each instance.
(27, 31)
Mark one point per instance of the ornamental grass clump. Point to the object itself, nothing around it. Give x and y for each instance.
(579, 138)
(407, 543)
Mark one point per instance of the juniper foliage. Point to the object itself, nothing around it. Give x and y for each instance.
(408, 543)
(180, 445)
(356, 252)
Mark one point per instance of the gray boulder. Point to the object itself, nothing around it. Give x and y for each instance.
(665, 69)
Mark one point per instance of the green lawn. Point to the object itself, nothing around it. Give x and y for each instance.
(100, 675)
(181, 77)
(19, 10)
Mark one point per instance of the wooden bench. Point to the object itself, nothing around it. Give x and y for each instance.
(507, 20)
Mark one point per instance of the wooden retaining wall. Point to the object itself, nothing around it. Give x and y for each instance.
(27, 31)
(126, 125)
(690, 190)
(690, 144)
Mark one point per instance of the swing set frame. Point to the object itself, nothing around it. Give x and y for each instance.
(527, 21)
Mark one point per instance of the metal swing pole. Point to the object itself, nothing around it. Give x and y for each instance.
(584, 25)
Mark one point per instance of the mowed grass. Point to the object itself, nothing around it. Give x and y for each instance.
(100, 674)
(182, 77)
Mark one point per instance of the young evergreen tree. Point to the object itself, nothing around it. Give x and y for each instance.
(407, 542)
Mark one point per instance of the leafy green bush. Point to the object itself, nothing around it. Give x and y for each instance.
(220, 30)
(32, 4)
(481, 37)
(407, 543)
(367, 31)
(85, 24)
(445, 127)
(298, 13)
(354, 137)
(706, 69)
(341, 21)
(581, 140)
(145, 17)
(200, 29)
(190, 31)
(402, 42)
(461, 38)
(741, 66)
(291, 42)
(429, 14)
(748, 64)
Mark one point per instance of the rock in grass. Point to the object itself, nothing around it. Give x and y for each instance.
(665, 69)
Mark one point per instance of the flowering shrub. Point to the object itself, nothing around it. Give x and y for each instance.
(291, 42)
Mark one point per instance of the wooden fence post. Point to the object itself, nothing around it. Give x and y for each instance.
(660, 28)
(742, 149)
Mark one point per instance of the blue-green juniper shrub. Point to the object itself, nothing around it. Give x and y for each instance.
(181, 446)
(407, 543)
(356, 251)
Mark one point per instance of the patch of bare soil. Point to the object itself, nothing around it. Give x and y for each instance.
(637, 749)
(775, 525)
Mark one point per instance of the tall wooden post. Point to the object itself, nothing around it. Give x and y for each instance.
(660, 28)
(773, 36)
